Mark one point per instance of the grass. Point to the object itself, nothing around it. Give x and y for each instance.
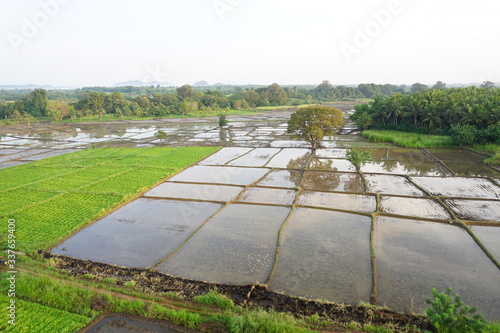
(51, 198)
(34, 317)
(214, 299)
(408, 140)
(490, 149)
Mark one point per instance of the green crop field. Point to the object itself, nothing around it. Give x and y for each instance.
(33, 317)
(51, 198)
(408, 140)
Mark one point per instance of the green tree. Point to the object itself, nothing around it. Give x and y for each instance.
(186, 91)
(487, 85)
(57, 110)
(275, 95)
(416, 87)
(440, 85)
(314, 122)
(252, 97)
(358, 157)
(36, 103)
(222, 120)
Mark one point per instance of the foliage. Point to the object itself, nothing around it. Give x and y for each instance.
(492, 149)
(408, 140)
(449, 315)
(59, 195)
(435, 110)
(314, 122)
(33, 317)
(358, 157)
(161, 135)
(260, 321)
(214, 298)
(222, 120)
(464, 135)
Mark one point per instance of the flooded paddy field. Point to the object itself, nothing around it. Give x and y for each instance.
(273, 219)
(267, 210)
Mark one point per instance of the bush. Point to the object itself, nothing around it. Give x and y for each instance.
(464, 135)
(222, 120)
(450, 316)
(358, 157)
(213, 298)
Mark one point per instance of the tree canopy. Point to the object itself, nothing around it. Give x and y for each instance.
(314, 122)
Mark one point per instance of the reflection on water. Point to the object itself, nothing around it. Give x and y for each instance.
(220, 175)
(237, 246)
(389, 184)
(290, 158)
(139, 234)
(476, 210)
(325, 255)
(328, 164)
(459, 187)
(415, 207)
(489, 236)
(224, 155)
(195, 191)
(330, 181)
(409, 167)
(268, 196)
(414, 256)
(282, 178)
(256, 158)
(353, 202)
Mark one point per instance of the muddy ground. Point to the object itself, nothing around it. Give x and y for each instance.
(152, 281)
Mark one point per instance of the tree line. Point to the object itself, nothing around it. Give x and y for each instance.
(160, 101)
(473, 110)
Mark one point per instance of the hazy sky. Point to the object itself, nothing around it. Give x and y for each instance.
(90, 42)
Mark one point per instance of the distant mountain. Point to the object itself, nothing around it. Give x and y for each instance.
(138, 83)
(201, 84)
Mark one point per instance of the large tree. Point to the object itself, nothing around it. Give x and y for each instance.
(314, 122)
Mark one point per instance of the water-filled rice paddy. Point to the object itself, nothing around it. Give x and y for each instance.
(310, 226)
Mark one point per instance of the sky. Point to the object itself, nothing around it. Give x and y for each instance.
(99, 43)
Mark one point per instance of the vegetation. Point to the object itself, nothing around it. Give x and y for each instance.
(155, 101)
(62, 194)
(262, 321)
(449, 315)
(161, 135)
(314, 122)
(222, 120)
(358, 157)
(213, 298)
(408, 140)
(438, 111)
(33, 317)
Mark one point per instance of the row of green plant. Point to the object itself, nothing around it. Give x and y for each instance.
(64, 304)
(407, 139)
(54, 197)
(436, 111)
(34, 317)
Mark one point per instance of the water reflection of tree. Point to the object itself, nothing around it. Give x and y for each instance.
(299, 163)
(223, 135)
(418, 167)
(332, 181)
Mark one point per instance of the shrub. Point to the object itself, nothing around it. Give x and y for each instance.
(464, 135)
(358, 157)
(451, 316)
(213, 298)
(222, 120)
